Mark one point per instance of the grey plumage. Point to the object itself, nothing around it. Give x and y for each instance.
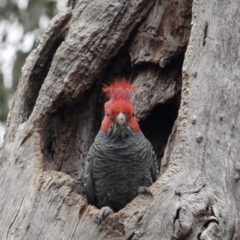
(118, 163)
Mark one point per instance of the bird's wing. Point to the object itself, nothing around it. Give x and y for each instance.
(88, 180)
(146, 154)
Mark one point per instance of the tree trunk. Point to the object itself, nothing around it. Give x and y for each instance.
(187, 102)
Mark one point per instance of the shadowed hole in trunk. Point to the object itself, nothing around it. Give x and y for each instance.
(158, 125)
(71, 129)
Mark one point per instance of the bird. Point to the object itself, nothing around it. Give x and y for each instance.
(121, 162)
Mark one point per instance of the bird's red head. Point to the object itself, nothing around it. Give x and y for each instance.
(119, 108)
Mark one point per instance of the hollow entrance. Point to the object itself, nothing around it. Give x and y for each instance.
(157, 126)
(68, 133)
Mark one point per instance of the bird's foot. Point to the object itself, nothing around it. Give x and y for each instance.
(104, 212)
(144, 190)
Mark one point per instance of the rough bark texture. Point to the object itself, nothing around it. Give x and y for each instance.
(57, 110)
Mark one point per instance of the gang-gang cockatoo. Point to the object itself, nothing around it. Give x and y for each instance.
(121, 162)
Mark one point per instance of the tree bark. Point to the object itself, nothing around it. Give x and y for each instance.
(187, 103)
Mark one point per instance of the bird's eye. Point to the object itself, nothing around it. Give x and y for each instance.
(133, 115)
(108, 114)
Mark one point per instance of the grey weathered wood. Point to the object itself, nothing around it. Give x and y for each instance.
(164, 35)
(204, 152)
(57, 111)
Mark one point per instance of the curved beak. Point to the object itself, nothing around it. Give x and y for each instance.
(121, 120)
